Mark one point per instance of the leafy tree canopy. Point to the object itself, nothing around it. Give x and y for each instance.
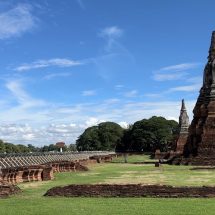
(149, 134)
(105, 136)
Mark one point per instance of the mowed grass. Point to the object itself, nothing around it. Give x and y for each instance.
(32, 201)
(134, 159)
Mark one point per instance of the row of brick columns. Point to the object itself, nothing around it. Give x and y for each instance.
(27, 174)
(102, 158)
(63, 166)
(37, 173)
(45, 172)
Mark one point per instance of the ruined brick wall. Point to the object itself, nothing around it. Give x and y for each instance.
(200, 147)
(48, 164)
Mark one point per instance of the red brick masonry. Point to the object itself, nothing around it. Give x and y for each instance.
(8, 189)
(130, 190)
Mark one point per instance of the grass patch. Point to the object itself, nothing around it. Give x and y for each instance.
(31, 200)
(133, 158)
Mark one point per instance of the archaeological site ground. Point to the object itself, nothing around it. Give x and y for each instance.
(107, 107)
(32, 200)
(180, 180)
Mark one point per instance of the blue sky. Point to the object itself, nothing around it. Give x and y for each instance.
(66, 65)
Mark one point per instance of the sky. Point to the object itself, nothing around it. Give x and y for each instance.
(70, 64)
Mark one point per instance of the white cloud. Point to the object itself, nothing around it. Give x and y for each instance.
(180, 67)
(61, 128)
(186, 88)
(111, 32)
(16, 21)
(20, 95)
(50, 123)
(81, 4)
(174, 72)
(172, 118)
(56, 75)
(132, 93)
(66, 123)
(89, 93)
(112, 101)
(153, 95)
(124, 124)
(93, 121)
(50, 134)
(19, 133)
(169, 77)
(196, 79)
(59, 62)
(119, 86)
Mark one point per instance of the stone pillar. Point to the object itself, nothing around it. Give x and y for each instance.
(25, 175)
(31, 174)
(19, 176)
(39, 174)
(47, 173)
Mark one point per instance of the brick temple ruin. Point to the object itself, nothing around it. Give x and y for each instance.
(199, 148)
(26, 167)
(183, 129)
(181, 140)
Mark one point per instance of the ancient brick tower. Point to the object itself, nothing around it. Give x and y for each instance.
(183, 126)
(200, 148)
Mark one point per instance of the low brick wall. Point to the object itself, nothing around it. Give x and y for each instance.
(26, 174)
(107, 190)
(102, 158)
(8, 189)
(44, 172)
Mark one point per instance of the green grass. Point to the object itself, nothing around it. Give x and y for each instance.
(133, 158)
(31, 200)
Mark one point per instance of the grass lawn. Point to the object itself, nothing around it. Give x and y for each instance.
(31, 200)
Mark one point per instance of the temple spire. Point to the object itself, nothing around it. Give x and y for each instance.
(183, 118)
(183, 129)
(211, 56)
(183, 108)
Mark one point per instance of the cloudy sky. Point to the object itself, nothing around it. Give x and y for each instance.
(66, 65)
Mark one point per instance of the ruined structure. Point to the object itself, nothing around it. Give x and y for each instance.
(17, 168)
(130, 190)
(178, 146)
(200, 146)
(183, 129)
(7, 189)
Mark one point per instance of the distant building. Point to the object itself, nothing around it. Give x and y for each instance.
(60, 145)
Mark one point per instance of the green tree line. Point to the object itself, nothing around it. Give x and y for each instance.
(144, 135)
(20, 148)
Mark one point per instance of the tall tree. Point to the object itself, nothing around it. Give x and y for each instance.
(150, 134)
(105, 136)
(2, 147)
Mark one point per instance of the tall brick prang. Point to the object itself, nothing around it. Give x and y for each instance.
(200, 147)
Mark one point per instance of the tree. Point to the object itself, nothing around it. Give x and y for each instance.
(89, 140)
(45, 149)
(110, 135)
(150, 134)
(33, 148)
(53, 147)
(22, 148)
(72, 147)
(125, 143)
(2, 147)
(105, 136)
(11, 148)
